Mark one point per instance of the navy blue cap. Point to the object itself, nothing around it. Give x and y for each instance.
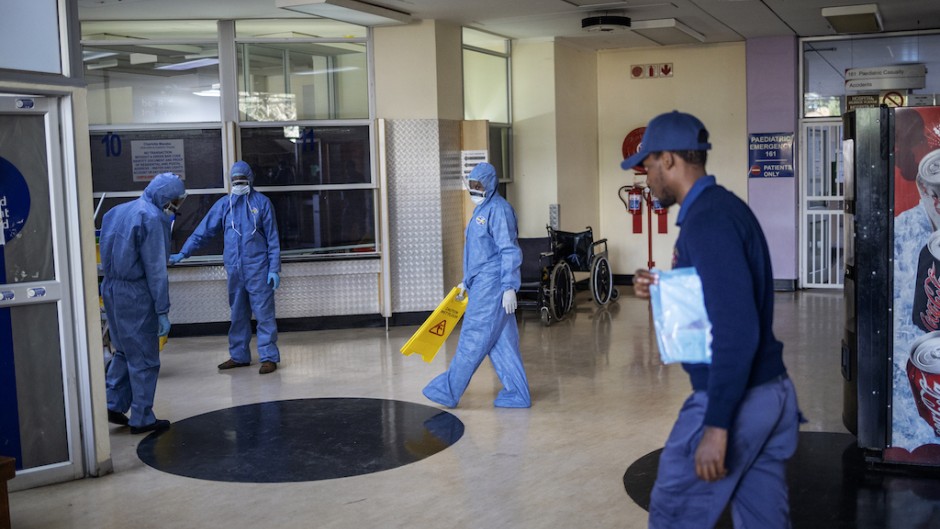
(673, 131)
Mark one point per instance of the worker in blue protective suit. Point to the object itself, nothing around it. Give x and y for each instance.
(135, 245)
(252, 256)
(491, 262)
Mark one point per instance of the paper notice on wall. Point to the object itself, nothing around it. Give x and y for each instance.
(153, 157)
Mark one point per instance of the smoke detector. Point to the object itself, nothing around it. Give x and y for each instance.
(605, 23)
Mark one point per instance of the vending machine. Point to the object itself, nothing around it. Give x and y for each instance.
(891, 347)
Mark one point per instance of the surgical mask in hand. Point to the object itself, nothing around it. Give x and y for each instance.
(240, 189)
(477, 196)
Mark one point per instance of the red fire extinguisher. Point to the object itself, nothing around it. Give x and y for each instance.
(662, 214)
(635, 207)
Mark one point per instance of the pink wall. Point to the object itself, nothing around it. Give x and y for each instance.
(773, 106)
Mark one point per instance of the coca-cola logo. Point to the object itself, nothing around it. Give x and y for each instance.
(930, 397)
(930, 316)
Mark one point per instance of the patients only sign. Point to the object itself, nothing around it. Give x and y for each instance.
(770, 155)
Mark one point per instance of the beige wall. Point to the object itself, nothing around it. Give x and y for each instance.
(709, 82)
(405, 80)
(418, 71)
(554, 136)
(576, 137)
(448, 42)
(535, 169)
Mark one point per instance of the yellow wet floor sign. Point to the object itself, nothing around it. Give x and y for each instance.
(435, 330)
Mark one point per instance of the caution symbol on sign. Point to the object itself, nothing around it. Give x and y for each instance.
(439, 328)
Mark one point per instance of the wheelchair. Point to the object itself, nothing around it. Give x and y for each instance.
(548, 266)
(584, 254)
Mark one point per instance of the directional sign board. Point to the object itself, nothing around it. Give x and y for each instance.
(770, 155)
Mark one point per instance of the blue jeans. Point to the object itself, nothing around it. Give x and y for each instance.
(761, 439)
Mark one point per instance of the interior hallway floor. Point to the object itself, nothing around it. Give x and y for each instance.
(602, 400)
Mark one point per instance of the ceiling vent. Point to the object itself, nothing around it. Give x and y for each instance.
(605, 23)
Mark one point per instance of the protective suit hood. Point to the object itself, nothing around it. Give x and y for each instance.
(163, 189)
(485, 173)
(242, 169)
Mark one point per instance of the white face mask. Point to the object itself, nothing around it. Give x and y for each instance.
(240, 189)
(477, 196)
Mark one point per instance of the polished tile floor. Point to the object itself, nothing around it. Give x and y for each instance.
(601, 401)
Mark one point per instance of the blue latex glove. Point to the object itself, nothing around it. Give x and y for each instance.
(177, 257)
(163, 325)
(274, 280)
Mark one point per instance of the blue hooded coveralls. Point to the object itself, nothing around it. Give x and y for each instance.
(135, 246)
(491, 262)
(251, 250)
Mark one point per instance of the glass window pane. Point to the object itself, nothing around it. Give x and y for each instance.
(335, 221)
(286, 82)
(487, 41)
(189, 216)
(825, 63)
(128, 160)
(152, 83)
(307, 156)
(26, 211)
(485, 87)
(297, 29)
(149, 29)
(326, 221)
(501, 151)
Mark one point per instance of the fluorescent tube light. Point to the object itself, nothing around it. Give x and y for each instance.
(188, 65)
(350, 11)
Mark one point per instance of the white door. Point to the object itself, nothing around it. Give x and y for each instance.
(38, 401)
(822, 240)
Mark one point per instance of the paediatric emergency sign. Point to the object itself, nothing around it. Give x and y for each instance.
(770, 155)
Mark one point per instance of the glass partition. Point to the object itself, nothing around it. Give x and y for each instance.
(128, 160)
(288, 81)
(301, 87)
(309, 156)
(826, 92)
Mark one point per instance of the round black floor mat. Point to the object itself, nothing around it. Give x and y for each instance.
(301, 440)
(831, 486)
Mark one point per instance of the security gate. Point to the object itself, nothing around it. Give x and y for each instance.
(822, 255)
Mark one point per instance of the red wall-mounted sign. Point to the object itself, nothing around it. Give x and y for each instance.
(631, 146)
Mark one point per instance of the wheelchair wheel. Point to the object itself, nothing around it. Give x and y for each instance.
(546, 317)
(561, 296)
(602, 280)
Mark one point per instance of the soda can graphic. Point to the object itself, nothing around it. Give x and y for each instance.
(926, 309)
(928, 185)
(923, 372)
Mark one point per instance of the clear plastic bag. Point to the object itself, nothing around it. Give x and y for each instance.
(683, 330)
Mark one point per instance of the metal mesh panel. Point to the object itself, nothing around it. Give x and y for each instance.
(200, 294)
(414, 195)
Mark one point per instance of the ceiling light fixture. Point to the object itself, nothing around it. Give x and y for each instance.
(666, 31)
(605, 23)
(863, 18)
(101, 65)
(350, 11)
(188, 65)
(95, 55)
